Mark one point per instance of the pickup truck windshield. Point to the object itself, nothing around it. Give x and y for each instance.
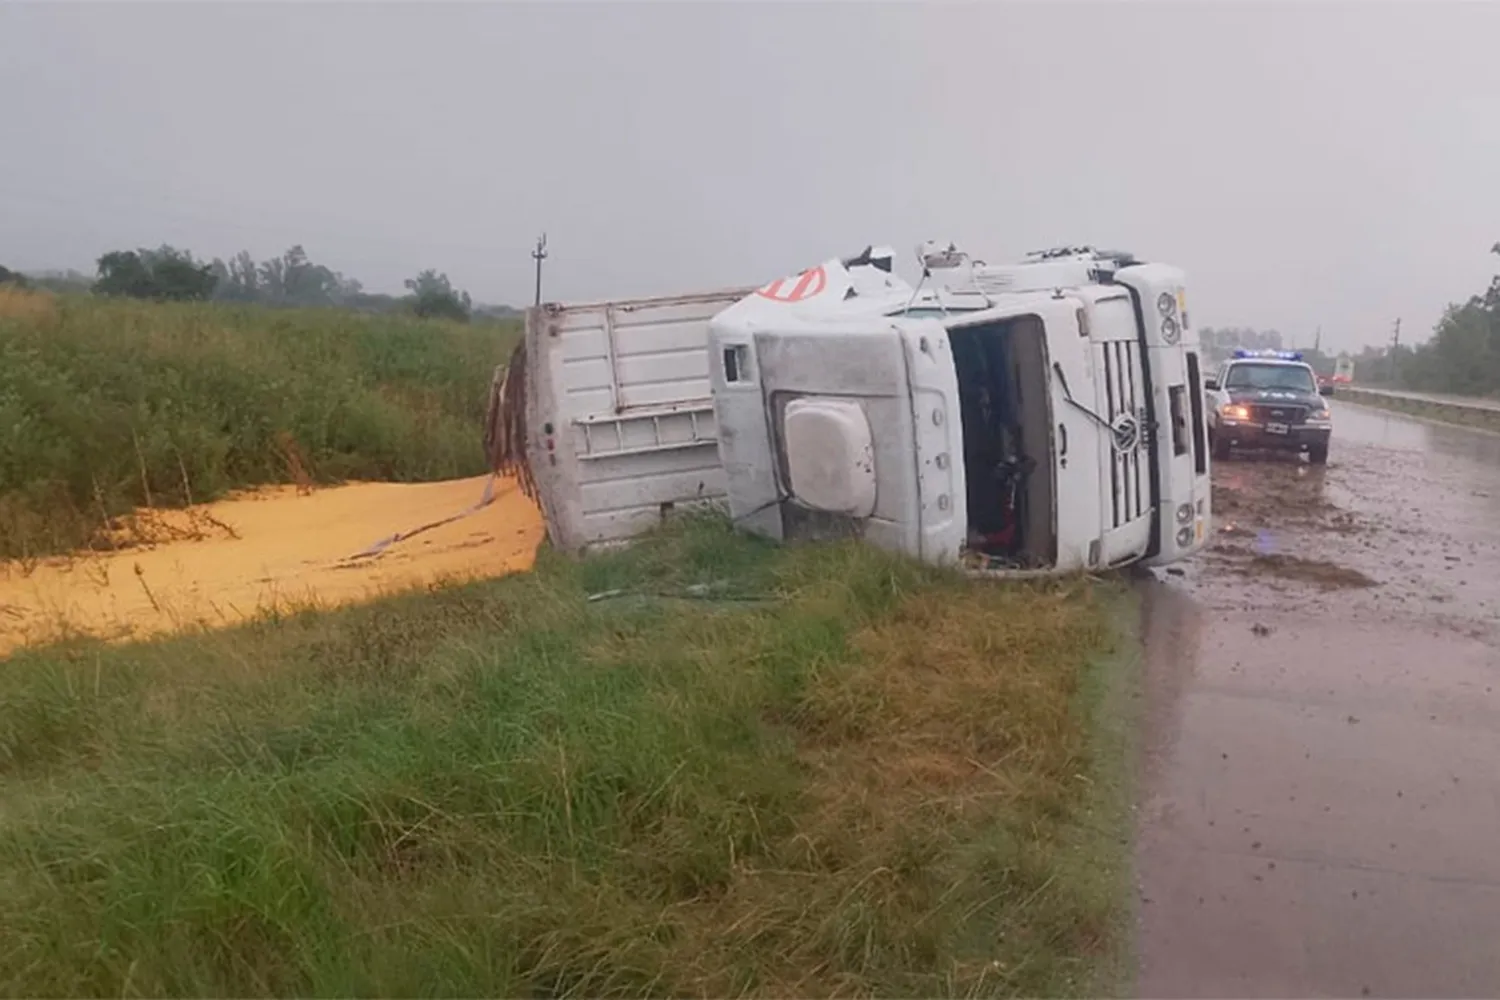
(1294, 378)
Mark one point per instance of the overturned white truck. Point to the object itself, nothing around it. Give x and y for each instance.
(1042, 417)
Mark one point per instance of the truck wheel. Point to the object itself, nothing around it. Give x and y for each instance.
(1219, 446)
(1318, 454)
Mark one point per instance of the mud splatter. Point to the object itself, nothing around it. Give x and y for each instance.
(1266, 493)
(1321, 573)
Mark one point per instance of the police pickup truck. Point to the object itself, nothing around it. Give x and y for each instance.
(1268, 400)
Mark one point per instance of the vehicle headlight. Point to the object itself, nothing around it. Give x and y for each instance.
(1234, 411)
(1184, 538)
(1184, 513)
(1322, 416)
(1166, 303)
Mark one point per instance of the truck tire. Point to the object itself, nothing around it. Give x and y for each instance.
(1318, 454)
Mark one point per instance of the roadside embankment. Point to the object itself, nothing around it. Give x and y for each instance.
(1482, 414)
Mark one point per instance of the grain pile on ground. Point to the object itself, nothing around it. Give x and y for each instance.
(269, 550)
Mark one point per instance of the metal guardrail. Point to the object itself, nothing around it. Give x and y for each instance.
(1353, 393)
(1464, 411)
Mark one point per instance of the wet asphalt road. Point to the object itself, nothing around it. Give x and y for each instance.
(1320, 809)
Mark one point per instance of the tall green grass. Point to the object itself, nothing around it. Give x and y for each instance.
(106, 405)
(745, 771)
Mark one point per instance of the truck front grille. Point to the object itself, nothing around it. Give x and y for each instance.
(1267, 413)
(1123, 395)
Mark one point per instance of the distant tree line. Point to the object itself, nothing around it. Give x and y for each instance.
(168, 274)
(165, 274)
(15, 278)
(70, 281)
(1461, 357)
(1463, 354)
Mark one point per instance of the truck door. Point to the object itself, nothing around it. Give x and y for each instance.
(841, 427)
(1120, 398)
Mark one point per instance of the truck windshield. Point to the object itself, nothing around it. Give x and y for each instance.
(1259, 376)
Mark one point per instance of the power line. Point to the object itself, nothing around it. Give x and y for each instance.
(1395, 345)
(539, 255)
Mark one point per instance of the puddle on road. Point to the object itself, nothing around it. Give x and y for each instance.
(271, 549)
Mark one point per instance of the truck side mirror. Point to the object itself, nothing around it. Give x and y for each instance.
(1325, 390)
(1211, 383)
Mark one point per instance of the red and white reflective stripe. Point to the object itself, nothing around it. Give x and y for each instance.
(798, 287)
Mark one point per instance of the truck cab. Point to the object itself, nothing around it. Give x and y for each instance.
(1034, 418)
(1043, 417)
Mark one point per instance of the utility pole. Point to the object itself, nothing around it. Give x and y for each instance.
(1395, 343)
(1318, 341)
(539, 255)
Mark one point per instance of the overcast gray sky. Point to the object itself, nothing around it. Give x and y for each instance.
(1308, 163)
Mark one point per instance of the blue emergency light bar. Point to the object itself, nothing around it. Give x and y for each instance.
(1241, 352)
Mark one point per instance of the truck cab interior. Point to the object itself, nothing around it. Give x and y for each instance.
(1006, 412)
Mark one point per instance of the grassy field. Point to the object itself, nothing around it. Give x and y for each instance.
(107, 405)
(740, 770)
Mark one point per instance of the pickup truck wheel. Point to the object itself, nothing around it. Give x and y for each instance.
(1219, 446)
(1318, 454)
